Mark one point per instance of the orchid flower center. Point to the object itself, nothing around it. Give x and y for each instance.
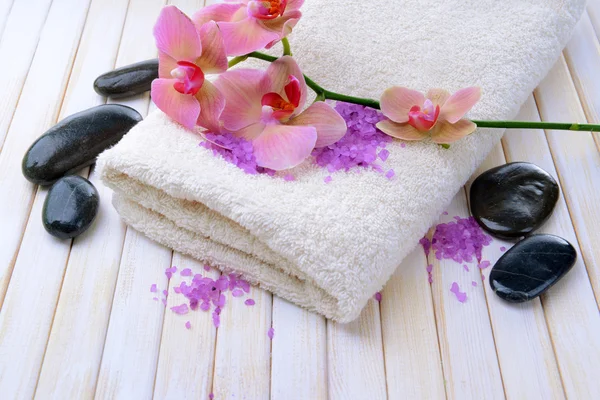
(275, 107)
(424, 118)
(189, 77)
(266, 9)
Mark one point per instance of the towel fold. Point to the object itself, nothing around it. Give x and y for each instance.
(330, 246)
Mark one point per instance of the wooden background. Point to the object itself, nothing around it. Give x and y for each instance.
(77, 319)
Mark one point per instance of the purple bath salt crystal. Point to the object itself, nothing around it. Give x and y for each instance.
(153, 288)
(474, 283)
(181, 309)
(237, 293)
(327, 179)
(502, 248)
(207, 267)
(186, 272)
(378, 296)
(484, 264)
(461, 240)
(390, 174)
(403, 145)
(249, 302)
(271, 333)
(426, 243)
(465, 267)
(289, 178)
(429, 268)
(188, 325)
(461, 296)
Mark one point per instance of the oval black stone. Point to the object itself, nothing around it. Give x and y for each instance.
(127, 81)
(531, 267)
(70, 207)
(76, 141)
(513, 200)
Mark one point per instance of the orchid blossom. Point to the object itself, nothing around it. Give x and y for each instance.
(185, 56)
(413, 116)
(265, 107)
(250, 25)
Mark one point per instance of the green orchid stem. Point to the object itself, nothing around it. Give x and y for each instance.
(287, 51)
(237, 60)
(324, 94)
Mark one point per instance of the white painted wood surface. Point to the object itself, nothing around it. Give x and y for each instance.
(78, 319)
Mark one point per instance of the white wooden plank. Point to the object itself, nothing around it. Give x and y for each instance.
(299, 353)
(242, 360)
(521, 335)
(76, 342)
(130, 357)
(186, 360)
(132, 343)
(27, 312)
(466, 340)
(355, 357)
(18, 42)
(38, 109)
(5, 8)
(570, 309)
(412, 355)
(593, 9)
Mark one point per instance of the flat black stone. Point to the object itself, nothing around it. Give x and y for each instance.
(70, 207)
(76, 141)
(531, 267)
(127, 81)
(513, 200)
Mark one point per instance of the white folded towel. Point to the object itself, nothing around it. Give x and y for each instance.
(330, 247)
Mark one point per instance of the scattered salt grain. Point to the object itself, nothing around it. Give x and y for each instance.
(186, 272)
(289, 178)
(235, 150)
(155, 298)
(165, 293)
(384, 154)
(426, 243)
(327, 179)
(211, 396)
(403, 145)
(170, 271)
(484, 264)
(249, 302)
(474, 283)
(271, 333)
(466, 267)
(390, 174)
(153, 288)
(378, 296)
(502, 248)
(430, 268)
(164, 301)
(188, 325)
(460, 240)
(461, 296)
(237, 293)
(180, 309)
(445, 213)
(207, 268)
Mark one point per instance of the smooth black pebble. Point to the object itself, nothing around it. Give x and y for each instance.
(531, 267)
(513, 200)
(70, 207)
(76, 141)
(127, 81)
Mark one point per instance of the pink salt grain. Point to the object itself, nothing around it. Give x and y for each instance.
(484, 264)
(461, 296)
(327, 179)
(289, 178)
(426, 245)
(186, 272)
(390, 174)
(384, 154)
(430, 268)
(211, 396)
(271, 333)
(502, 248)
(249, 302)
(445, 213)
(170, 271)
(474, 283)
(155, 298)
(237, 293)
(188, 325)
(465, 267)
(378, 296)
(153, 288)
(403, 145)
(207, 268)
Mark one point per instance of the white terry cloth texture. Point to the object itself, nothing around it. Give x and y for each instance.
(330, 247)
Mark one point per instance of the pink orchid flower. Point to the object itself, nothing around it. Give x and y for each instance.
(250, 25)
(185, 56)
(413, 116)
(265, 107)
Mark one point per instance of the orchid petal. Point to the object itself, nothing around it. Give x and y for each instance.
(292, 91)
(219, 13)
(438, 96)
(213, 59)
(251, 132)
(446, 132)
(182, 108)
(245, 36)
(176, 35)
(400, 131)
(397, 101)
(329, 124)
(212, 103)
(278, 76)
(281, 147)
(293, 5)
(166, 64)
(242, 89)
(283, 25)
(460, 103)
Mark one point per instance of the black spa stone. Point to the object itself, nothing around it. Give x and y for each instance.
(127, 81)
(513, 200)
(531, 267)
(76, 141)
(70, 207)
